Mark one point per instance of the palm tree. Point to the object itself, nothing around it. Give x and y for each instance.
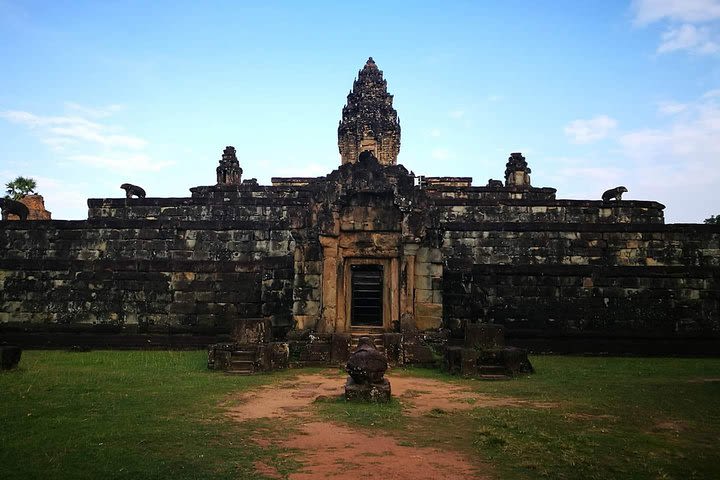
(20, 187)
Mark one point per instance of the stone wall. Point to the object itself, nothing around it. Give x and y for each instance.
(191, 268)
(474, 210)
(428, 272)
(146, 276)
(660, 281)
(244, 203)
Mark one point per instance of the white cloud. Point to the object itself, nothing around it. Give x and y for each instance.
(127, 163)
(34, 121)
(690, 25)
(579, 178)
(688, 37)
(61, 196)
(81, 137)
(58, 144)
(440, 154)
(457, 113)
(435, 132)
(66, 129)
(590, 130)
(677, 163)
(64, 200)
(81, 132)
(671, 108)
(101, 112)
(693, 137)
(691, 11)
(673, 163)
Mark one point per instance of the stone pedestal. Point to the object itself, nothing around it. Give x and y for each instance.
(10, 357)
(368, 392)
(366, 367)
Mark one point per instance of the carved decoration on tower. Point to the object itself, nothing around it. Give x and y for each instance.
(517, 172)
(229, 171)
(369, 121)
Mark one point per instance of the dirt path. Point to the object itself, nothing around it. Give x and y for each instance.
(337, 451)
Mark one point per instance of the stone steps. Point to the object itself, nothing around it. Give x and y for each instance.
(243, 355)
(493, 372)
(494, 377)
(242, 362)
(376, 337)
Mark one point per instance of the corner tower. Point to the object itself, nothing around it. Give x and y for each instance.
(369, 121)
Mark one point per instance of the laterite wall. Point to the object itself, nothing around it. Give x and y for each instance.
(145, 277)
(590, 287)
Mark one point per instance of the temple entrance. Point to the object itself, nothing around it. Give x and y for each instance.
(366, 308)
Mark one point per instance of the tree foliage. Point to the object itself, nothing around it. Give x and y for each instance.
(20, 187)
(713, 220)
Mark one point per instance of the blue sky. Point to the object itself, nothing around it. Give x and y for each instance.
(595, 94)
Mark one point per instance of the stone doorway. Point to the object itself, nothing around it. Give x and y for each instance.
(366, 290)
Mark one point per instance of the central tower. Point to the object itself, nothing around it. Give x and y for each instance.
(369, 121)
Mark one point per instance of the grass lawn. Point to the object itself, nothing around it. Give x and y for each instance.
(615, 418)
(122, 415)
(160, 415)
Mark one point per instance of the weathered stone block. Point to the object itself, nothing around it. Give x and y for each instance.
(368, 392)
(484, 336)
(219, 357)
(318, 351)
(252, 330)
(469, 361)
(340, 348)
(513, 359)
(277, 355)
(423, 296)
(9, 357)
(393, 347)
(452, 360)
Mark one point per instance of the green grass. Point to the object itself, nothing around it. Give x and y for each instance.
(160, 415)
(629, 418)
(371, 415)
(123, 415)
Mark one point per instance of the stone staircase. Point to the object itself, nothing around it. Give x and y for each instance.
(376, 337)
(493, 372)
(242, 362)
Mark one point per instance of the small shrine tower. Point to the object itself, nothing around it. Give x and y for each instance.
(517, 172)
(229, 171)
(369, 121)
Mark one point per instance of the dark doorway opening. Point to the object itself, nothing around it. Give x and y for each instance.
(367, 295)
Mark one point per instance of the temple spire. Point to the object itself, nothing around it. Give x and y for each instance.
(369, 121)
(517, 172)
(229, 171)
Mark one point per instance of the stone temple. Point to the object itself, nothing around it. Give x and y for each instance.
(300, 267)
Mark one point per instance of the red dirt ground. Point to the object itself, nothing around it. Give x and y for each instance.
(336, 451)
(421, 395)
